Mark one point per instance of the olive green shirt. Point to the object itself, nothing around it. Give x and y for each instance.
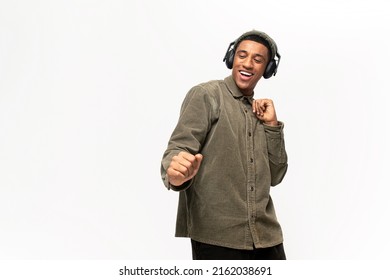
(228, 202)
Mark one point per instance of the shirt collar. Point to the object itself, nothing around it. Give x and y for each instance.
(235, 91)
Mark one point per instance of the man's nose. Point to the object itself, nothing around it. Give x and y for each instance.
(247, 63)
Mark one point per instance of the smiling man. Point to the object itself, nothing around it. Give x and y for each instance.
(224, 155)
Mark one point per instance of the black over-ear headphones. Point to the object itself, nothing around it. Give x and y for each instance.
(272, 66)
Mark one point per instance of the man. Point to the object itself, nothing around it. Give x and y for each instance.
(225, 153)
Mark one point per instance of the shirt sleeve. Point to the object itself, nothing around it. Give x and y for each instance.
(276, 152)
(199, 110)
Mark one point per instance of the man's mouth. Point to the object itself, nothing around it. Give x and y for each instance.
(246, 74)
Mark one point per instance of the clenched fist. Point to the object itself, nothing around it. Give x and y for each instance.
(183, 167)
(265, 111)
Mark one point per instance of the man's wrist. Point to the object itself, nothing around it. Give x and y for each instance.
(272, 123)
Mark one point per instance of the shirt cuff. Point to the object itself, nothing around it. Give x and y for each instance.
(277, 129)
(183, 187)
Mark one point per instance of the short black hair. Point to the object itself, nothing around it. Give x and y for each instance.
(257, 39)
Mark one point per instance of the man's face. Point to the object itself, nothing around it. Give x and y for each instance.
(249, 64)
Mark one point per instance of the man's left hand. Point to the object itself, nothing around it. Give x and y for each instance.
(265, 111)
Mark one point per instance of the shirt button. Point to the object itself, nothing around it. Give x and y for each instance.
(250, 134)
(251, 160)
(252, 188)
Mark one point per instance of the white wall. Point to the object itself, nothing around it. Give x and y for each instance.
(90, 92)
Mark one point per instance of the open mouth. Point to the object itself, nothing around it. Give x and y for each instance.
(246, 74)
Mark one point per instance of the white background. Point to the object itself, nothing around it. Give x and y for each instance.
(91, 90)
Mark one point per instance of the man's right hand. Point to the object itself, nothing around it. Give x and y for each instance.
(183, 167)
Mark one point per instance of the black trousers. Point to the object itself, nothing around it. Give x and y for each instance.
(203, 251)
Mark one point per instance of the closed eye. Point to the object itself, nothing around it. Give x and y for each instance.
(259, 59)
(242, 54)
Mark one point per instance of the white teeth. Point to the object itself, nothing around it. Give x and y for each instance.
(246, 73)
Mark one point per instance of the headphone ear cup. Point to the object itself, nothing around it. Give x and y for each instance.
(270, 69)
(230, 58)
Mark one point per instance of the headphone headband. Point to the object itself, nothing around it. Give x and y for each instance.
(262, 35)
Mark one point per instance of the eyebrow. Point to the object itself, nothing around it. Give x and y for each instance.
(256, 54)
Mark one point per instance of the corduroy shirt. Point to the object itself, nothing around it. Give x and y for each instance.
(228, 202)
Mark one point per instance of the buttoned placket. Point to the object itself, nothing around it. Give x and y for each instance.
(250, 184)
